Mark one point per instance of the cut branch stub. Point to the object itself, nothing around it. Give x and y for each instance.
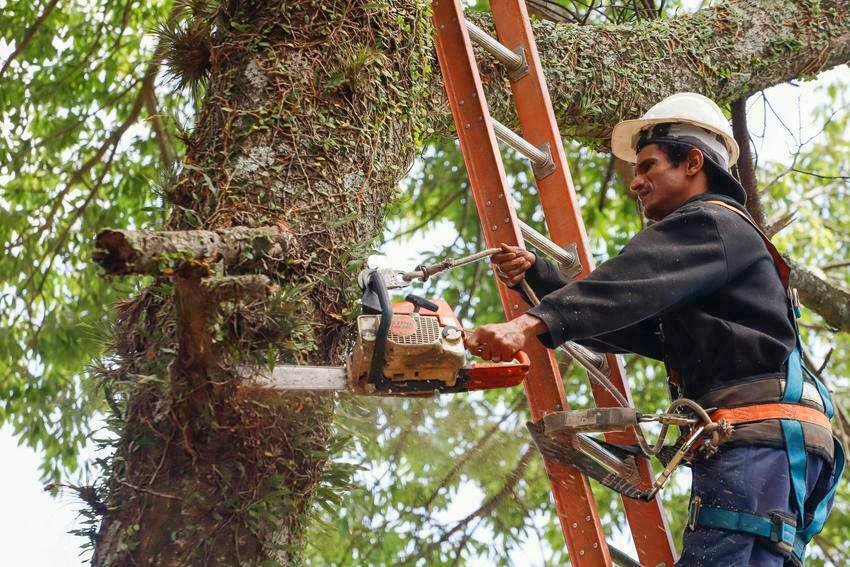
(123, 252)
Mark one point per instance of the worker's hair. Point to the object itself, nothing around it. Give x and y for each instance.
(677, 153)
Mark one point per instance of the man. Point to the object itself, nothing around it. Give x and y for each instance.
(698, 289)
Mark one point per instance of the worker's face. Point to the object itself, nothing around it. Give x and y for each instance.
(660, 186)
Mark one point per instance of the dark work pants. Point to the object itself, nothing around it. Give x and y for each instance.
(747, 479)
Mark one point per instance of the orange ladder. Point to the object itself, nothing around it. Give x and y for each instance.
(541, 143)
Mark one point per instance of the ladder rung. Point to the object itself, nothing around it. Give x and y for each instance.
(541, 158)
(567, 258)
(514, 61)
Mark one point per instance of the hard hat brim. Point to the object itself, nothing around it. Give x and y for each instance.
(625, 134)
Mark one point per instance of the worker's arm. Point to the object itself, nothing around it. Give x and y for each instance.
(676, 260)
(669, 263)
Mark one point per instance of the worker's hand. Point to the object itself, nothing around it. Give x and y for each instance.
(500, 342)
(512, 262)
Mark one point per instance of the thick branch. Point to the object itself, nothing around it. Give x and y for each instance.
(121, 252)
(598, 75)
(746, 163)
(829, 300)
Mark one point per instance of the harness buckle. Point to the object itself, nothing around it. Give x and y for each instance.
(693, 512)
(779, 520)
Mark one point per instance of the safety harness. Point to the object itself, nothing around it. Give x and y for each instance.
(789, 535)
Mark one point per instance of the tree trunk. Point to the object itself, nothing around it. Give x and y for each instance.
(309, 121)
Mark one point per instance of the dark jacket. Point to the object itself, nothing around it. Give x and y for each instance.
(698, 290)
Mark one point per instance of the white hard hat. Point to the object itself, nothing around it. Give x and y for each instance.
(711, 127)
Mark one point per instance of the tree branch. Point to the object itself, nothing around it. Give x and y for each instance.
(829, 300)
(493, 502)
(598, 75)
(746, 163)
(167, 153)
(122, 252)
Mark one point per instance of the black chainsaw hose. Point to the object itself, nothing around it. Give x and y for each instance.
(376, 284)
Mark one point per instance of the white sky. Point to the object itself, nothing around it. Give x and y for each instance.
(34, 525)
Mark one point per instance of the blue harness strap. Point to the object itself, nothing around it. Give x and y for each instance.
(774, 527)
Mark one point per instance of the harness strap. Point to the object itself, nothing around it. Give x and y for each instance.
(776, 527)
(761, 412)
(797, 461)
(794, 376)
(791, 537)
(822, 509)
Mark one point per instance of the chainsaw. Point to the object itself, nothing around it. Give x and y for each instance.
(410, 348)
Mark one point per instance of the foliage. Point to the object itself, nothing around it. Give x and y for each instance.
(74, 157)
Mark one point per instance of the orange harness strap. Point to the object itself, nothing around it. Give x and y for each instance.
(761, 412)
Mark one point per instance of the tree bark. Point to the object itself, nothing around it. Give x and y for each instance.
(123, 252)
(828, 299)
(309, 121)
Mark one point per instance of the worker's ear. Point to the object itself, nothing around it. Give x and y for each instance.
(695, 162)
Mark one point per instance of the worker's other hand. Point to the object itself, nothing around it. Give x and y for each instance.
(512, 263)
(501, 341)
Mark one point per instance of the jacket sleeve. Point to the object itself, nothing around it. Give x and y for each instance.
(642, 338)
(544, 278)
(673, 261)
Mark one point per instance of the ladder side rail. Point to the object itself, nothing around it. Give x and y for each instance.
(577, 511)
(647, 520)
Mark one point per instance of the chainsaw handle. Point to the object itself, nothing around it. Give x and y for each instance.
(487, 375)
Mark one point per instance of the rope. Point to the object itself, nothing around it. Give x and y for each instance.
(423, 272)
